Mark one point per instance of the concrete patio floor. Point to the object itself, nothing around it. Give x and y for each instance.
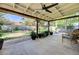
(50, 45)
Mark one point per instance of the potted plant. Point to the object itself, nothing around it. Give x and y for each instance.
(39, 35)
(46, 33)
(33, 35)
(43, 34)
(1, 41)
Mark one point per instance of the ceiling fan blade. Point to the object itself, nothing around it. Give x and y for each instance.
(43, 6)
(48, 10)
(51, 5)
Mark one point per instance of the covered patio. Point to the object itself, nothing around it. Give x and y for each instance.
(47, 12)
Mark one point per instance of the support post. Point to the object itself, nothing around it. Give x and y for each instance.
(48, 27)
(37, 26)
(66, 24)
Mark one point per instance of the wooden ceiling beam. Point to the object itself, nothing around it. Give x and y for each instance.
(66, 18)
(26, 15)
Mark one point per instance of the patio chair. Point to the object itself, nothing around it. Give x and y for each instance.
(72, 36)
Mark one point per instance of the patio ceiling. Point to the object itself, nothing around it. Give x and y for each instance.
(35, 10)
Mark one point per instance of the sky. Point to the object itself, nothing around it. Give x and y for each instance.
(13, 17)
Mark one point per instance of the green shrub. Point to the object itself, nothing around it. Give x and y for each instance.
(40, 35)
(70, 27)
(44, 34)
(47, 33)
(1, 34)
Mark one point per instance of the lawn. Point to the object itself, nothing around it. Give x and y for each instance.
(9, 35)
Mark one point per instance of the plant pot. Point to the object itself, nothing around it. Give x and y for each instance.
(33, 38)
(1, 43)
(51, 33)
(46, 33)
(40, 35)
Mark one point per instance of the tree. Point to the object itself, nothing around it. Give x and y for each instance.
(2, 19)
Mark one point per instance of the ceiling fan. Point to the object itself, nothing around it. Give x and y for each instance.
(46, 8)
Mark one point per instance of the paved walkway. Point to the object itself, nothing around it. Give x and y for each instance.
(50, 45)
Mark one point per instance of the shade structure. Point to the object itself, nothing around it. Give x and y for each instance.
(42, 11)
